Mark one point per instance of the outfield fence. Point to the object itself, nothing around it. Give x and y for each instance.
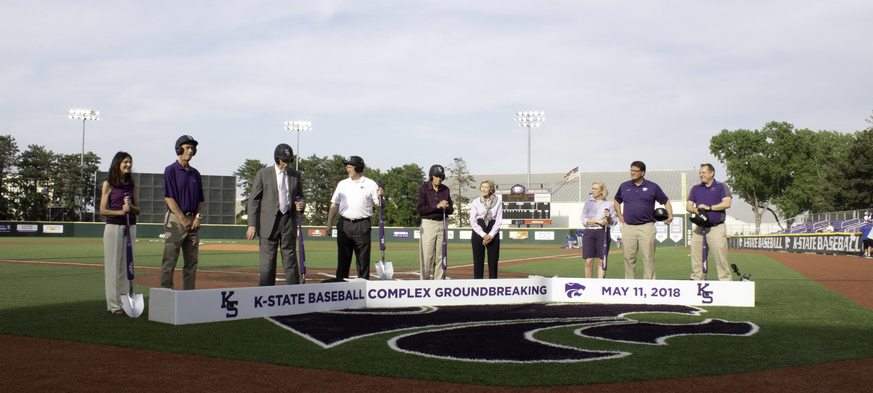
(674, 235)
(818, 243)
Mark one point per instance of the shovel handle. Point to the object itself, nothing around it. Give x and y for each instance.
(300, 240)
(381, 223)
(129, 246)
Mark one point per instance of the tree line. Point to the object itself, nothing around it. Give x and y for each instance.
(788, 172)
(320, 175)
(35, 179)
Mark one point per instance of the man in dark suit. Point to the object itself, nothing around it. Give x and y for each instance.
(272, 216)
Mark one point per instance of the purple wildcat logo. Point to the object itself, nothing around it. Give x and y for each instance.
(573, 289)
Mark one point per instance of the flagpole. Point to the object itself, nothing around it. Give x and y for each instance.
(579, 179)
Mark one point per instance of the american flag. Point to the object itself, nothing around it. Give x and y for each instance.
(572, 175)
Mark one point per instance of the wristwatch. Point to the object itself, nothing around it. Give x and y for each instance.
(199, 216)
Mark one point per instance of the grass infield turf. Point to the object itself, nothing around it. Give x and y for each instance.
(801, 321)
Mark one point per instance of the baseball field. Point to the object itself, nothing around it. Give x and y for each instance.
(811, 329)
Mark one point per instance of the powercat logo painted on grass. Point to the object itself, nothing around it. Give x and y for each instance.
(505, 333)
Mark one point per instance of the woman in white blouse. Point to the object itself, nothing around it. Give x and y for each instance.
(597, 215)
(486, 214)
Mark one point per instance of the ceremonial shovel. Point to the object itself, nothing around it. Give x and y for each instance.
(300, 238)
(445, 246)
(605, 241)
(385, 270)
(133, 305)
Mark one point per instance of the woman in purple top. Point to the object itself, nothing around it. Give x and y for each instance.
(486, 215)
(118, 204)
(597, 214)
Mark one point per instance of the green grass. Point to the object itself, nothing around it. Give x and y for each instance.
(801, 322)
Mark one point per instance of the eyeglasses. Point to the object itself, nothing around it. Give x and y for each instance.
(635, 171)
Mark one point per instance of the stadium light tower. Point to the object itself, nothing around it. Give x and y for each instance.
(298, 125)
(84, 115)
(529, 119)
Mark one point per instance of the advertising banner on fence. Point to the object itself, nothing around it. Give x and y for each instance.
(810, 243)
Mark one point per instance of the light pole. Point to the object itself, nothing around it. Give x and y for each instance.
(84, 115)
(529, 119)
(298, 125)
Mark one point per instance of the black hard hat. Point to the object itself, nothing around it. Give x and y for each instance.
(185, 139)
(660, 214)
(437, 170)
(283, 152)
(700, 220)
(355, 161)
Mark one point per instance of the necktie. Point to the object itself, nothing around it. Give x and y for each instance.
(283, 194)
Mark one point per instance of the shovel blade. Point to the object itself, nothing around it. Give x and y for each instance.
(380, 270)
(389, 270)
(133, 305)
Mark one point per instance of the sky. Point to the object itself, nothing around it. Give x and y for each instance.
(423, 82)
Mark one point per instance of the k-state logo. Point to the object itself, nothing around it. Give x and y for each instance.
(702, 292)
(229, 305)
(573, 289)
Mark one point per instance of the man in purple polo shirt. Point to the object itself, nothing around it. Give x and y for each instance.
(712, 198)
(637, 218)
(183, 191)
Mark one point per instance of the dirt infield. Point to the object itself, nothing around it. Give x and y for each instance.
(34, 364)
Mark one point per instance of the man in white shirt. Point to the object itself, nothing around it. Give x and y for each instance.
(353, 200)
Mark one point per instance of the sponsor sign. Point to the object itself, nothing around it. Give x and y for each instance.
(676, 230)
(660, 231)
(52, 228)
(5, 227)
(416, 234)
(400, 234)
(213, 305)
(316, 232)
(810, 243)
(29, 228)
(544, 235)
(465, 235)
(518, 235)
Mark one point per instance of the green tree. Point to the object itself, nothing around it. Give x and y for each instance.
(8, 161)
(851, 183)
(461, 180)
(780, 169)
(400, 185)
(245, 179)
(320, 176)
(33, 181)
(73, 185)
(756, 164)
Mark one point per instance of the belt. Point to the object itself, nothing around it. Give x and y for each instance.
(353, 220)
(594, 227)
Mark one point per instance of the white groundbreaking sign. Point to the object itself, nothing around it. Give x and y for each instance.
(213, 305)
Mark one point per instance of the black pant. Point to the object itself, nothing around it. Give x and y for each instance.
(353, 237)
(479, 252)
(283, 236)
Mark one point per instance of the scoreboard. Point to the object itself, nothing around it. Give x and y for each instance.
(526, 206)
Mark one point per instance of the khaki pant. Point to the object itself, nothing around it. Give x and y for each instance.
(430, 249)
(177, 237)
(716, 242)
(639, 238)
(115, 259)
